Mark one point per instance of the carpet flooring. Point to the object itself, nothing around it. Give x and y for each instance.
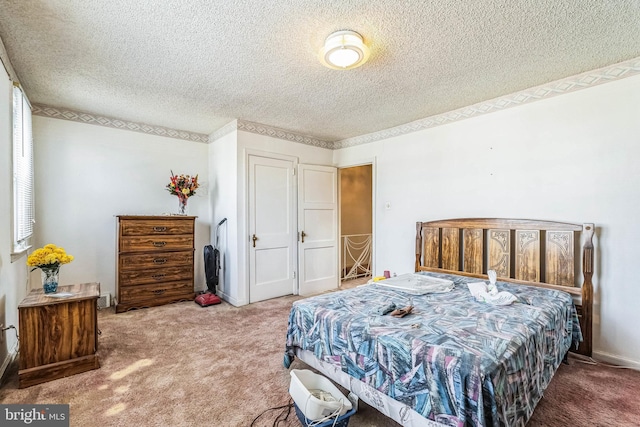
(183, 365)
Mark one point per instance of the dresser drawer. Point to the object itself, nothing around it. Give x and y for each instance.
(155, 243)
(155, 275)
(134, 294)
(154, 260)
(155, 227)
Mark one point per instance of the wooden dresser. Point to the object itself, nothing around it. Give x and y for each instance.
(155, 260)
(58, 335)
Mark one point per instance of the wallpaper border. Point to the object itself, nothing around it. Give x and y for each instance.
(275, 132)
(100, 120)
(228, 128)
(570, 84)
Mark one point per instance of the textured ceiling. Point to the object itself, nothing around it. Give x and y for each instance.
(198, 64)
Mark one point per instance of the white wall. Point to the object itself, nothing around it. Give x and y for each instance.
(13, 273)
(87, 174)
(223, 194)
(222, 155)
(569, 158)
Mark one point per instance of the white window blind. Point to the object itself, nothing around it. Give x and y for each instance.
(23, 209)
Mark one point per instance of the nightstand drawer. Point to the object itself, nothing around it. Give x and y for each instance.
(155, 243)
(154, 260)
(134, 294)
(157, 275)
(155, 227)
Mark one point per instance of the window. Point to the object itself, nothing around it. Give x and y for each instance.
(23, 210)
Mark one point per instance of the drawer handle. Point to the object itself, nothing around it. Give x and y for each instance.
(159, 291)
(159, 260)
(158, 276)
(159, 229)
(159, 244)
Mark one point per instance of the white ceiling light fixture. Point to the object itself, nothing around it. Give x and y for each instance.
(344, 50)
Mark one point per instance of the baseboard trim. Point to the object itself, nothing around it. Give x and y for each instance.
(8, 360)
(228, 298)
(616, 360)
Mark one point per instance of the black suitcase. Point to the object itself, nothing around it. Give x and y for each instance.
(211, 267)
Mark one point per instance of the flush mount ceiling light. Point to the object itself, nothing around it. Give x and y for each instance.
(344, 50)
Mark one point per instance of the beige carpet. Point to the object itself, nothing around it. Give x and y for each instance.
(183, 365)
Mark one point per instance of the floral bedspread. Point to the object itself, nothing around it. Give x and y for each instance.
(454, 360)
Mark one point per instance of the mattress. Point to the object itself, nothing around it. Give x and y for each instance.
(454, 361)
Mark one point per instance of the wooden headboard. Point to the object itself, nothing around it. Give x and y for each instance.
(530, 252)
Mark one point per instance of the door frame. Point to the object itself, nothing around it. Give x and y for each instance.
(244, 234)
(373, 162)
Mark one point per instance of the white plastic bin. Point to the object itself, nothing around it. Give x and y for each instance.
(303, 380)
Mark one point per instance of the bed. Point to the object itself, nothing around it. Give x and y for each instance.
(457, 361)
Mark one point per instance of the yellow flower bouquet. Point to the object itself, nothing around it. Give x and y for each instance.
(49, 259)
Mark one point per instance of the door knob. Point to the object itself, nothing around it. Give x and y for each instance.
(254, 238)
(302, 235)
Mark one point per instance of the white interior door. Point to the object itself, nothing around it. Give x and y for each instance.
(318, 228)
(272, 228)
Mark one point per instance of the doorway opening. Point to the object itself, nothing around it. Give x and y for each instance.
(356, 225)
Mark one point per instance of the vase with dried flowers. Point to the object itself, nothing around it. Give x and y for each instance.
(49, 259)
(183, 186)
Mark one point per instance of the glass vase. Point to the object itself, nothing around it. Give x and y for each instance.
(50, 279)
(182, 205)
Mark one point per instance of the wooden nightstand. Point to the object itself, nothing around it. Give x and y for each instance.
(58, 335)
